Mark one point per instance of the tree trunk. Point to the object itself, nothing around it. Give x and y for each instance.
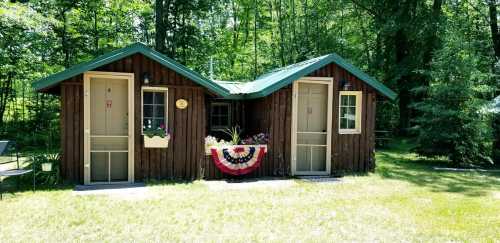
(235, 34)
(96, 33)
(159, 26)
(64, 40)
(256, 14)
(5, 94)
(280, 26)
(401, 46)
(495, 35)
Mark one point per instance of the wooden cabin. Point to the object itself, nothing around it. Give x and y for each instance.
(319, 114)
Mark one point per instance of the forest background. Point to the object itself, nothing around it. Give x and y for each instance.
(440, 56)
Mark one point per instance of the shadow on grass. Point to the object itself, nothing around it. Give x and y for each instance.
(398, 163)
(10, 187)
(167, 182)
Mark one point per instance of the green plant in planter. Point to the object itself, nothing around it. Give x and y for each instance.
(234, 132)
(44, 177)
(160, 132)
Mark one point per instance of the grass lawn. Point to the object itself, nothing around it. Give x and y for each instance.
(404, 200)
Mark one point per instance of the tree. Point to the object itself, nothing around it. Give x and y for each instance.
(452, 123)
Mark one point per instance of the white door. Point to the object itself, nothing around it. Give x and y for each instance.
(108, 147)
(311, 127)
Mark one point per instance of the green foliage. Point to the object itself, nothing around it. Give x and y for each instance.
(234, 133)
(496, 143)
(159, 131)
(451, 123)
(394, 41)
(46, 177)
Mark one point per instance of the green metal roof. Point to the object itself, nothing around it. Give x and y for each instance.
(124, 52)
(279, 78)
(261, 87)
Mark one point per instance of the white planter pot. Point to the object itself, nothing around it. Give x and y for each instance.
(46, 167)
(208, 150)
(156, 142)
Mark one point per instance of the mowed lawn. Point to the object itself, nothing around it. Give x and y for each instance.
(404, 200)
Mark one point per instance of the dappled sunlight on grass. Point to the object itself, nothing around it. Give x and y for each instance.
(400, 164)
(404, 200)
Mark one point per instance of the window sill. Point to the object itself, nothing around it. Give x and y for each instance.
(349, 132)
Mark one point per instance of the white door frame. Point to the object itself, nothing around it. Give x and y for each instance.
(87, 116)
(295, 91)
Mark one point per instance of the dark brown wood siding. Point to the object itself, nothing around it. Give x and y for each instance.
(181, 160)
(273, 115)
(351, 152)
(185, 157)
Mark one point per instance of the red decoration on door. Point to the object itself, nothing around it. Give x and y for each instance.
(109, 103)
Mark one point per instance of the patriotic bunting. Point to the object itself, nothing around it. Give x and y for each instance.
(238, 159)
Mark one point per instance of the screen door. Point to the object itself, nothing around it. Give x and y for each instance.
(108, 130)
(312, 126)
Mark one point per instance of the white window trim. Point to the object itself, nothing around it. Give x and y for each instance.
(359, 112)
(220, 128)
(154, 89)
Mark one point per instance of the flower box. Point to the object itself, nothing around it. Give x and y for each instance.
(156, 141)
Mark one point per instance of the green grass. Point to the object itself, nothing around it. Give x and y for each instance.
(404, 200)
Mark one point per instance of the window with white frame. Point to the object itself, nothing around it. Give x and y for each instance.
(154, 108)
(350, 112)
(220, 115)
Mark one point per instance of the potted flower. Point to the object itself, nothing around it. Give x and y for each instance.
(211, 141)
(156, 137)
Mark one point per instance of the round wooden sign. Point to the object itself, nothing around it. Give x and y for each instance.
(181, 103)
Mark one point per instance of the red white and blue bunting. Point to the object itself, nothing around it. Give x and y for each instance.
(238, 159)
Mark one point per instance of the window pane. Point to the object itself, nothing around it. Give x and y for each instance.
(351, 124)
(343, 111)
(158, 123)
(344, 100)
(148, 97)
(220, 115)
(216, 121)
(159, 98)
(215, 110)
(343, 123)
(223, 121)
(352, 100)
(147, 123)
(148, 111)
(159, 111)
(352, 111)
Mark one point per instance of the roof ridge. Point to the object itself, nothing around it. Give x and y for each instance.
(262, 86)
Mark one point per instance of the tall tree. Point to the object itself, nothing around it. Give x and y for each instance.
(495, 34)
(160, 26)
